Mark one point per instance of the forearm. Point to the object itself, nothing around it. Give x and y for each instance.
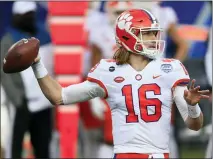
(50, 88)
(191, 115)
(194, 123)
(68, 95)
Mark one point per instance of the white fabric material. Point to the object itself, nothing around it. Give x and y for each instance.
(173, 147)
(185, 109)
(127, 137)
(180, 101)
(98, 107)
(105, 151)
(194, 111)
(81, 92)
(208, 59)
(39, 70)
(23, 7)
(36, 99)
(5, 122)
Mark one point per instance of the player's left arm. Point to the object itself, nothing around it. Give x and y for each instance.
(187, 102)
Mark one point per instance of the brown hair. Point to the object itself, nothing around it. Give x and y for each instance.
(121, 56)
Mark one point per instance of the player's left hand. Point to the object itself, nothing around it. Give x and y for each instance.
(194, 94)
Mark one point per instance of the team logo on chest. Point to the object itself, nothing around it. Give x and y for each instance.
(166, 68)
(138, 77)
(119, 79)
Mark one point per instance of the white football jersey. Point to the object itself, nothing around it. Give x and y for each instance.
(140, 102)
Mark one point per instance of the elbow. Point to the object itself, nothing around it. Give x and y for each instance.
(195, 124)
(195, 127)
(56, 101)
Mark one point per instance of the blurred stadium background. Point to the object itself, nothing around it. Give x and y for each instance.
(65, 22)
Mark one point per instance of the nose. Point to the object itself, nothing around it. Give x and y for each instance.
(152, 36)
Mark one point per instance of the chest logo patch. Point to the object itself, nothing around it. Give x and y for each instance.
(119, 79)
(138, 77)
(156, 76)
(166, 68)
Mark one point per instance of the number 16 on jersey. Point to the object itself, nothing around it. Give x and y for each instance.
(144, 102)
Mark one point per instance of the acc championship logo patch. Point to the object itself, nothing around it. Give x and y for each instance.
(166, 68)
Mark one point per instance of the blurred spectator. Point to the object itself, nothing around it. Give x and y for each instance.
(208, 59)
(31, 110)
(5, 121)
(208, 67)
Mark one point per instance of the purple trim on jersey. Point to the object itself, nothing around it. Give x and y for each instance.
(149, 15)
(183, 83)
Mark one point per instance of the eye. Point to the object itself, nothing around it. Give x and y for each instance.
(145, 32)
(155, 33)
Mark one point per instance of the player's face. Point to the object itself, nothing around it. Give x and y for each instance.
(149, 38)
(148, 35)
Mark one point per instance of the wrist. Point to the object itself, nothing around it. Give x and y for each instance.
(194, 111)
(39, 69)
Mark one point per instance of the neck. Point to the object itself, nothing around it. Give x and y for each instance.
(138, 62)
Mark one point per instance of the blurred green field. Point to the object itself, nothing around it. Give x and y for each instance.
(192, 151)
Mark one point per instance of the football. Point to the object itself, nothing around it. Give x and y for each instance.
(21, 55)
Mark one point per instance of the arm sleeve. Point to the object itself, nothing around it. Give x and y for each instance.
(98, 75)
(81, 92)
(180, 101)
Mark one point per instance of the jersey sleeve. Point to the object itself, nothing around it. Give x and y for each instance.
(179, 76)
(97, 75)
(81, 92)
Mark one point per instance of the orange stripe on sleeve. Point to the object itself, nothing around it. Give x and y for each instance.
(99, 83)
(181, 82)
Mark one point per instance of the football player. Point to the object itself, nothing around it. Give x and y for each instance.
(138, 86)
(168, 21)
